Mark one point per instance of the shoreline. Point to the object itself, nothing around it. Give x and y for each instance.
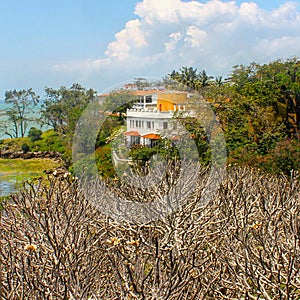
(17, 170)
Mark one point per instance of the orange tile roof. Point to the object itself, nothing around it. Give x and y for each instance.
(132, 133)
(137, 93)
(175, 137)
(152, 136)
(144, 93)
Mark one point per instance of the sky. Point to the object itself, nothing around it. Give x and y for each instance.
(101, 43)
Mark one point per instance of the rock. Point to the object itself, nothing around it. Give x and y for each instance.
(28, 155)
(37, 154)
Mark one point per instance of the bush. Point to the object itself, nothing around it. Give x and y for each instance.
(35, 134)
(25, 147)
(50, 141)
(242, 244)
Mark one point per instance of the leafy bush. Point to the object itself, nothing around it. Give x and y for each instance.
(25, 147)
(50, 141)
(35, 134)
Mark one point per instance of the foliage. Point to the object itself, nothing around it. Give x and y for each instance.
(98, 163)
(50, 141)
(25, 147)
(63, 107)
(142, 154)
(258, 107)
(197, 131)
(35, 134)
(20, 111)
(118, 102)
(104, 162)
(284, 158)
(190, 78)
(108, 128)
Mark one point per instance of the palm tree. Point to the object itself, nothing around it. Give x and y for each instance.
(219, 81)
(204, 79)
(186, 76)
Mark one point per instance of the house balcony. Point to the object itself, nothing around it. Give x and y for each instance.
(149, 113)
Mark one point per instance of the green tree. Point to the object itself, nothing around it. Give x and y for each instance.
(204, 80)
(189, 77)
(186, 76)
(258, 107)
(62, 108)
(119, 101)
(20, 111)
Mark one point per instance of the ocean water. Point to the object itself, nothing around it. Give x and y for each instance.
(7, 187)
(4, 120)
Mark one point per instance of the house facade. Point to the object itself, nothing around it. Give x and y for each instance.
(152, 116)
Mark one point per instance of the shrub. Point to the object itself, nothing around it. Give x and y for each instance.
(242, 244)
(25, 147)
(35, 134)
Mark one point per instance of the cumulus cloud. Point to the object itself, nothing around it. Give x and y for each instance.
(127, 40)
(214, 36)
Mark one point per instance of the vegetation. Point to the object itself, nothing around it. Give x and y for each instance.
(183, 237)
(242, 244)
(62, 109)
(118, 102)
(35, 134)
(258, 108)
(49, 141)
(20, 110)
(16, 170)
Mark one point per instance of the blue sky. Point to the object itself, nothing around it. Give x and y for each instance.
(100, 43)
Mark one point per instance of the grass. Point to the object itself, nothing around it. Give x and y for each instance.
(50, 141)
(14, 171)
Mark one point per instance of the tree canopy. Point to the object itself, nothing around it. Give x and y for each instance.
(62, 107)
(258, 107)
(20, 111)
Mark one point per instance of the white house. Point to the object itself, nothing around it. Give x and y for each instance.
(152, 115)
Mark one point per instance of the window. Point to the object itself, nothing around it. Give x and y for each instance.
(134, 140)
(148, 99)
(148, 125)
(152, 125)
(165, 125)
(136, 124)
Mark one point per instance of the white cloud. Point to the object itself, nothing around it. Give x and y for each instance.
(174, 38)
(195, 36)
(87, 65)
(215, 35)
(127, 40)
